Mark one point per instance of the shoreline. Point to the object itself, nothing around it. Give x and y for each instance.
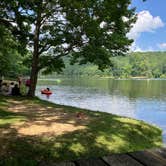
(56, 132)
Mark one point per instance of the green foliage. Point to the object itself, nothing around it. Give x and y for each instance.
(11, 64)
(86, 31)
(23, 89)
(52, 64)
(148, 64)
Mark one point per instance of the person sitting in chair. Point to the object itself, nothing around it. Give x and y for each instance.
(16, 91)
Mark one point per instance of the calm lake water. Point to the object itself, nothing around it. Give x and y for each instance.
(139, 99)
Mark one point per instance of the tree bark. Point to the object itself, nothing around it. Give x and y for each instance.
(34, 74)
(35, 59)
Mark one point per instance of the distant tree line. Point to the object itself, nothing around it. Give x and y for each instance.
(147, 64)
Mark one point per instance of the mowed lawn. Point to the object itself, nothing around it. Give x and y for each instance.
(33, 131)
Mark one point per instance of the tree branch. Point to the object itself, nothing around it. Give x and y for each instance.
(6, 22)
(44, 48)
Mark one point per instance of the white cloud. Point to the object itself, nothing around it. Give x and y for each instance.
(136, 48)
(162, 45)
(145, 23)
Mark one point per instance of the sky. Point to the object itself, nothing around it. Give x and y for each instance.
(149, 31)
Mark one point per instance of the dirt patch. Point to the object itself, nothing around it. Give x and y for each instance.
(44, 120)
(53, 129)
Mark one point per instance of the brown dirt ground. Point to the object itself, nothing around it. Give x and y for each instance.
(45, 120)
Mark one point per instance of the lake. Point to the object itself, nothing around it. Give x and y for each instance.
(139, 99)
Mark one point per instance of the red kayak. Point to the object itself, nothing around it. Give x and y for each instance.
(46, 92)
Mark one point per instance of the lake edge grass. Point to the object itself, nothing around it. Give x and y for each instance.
(106, 133)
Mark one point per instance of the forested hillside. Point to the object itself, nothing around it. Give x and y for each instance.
(147, 64)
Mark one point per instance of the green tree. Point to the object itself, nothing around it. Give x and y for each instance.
(87, 31)
(140, 65)
(11, 61)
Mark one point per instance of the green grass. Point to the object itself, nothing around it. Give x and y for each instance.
(7, 118)
(104, 134)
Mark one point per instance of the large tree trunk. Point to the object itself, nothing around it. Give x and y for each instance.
(34, 74)
(35, 59)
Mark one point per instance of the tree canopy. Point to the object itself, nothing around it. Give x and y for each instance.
(86, 31)
(11, 63)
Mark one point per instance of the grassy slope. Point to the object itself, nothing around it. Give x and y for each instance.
(103, 134)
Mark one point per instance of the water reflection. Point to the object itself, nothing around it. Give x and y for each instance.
(140, 99)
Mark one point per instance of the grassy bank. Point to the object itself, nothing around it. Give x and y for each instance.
(33, 131)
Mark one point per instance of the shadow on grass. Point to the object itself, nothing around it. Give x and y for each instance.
(6, 114)
(96, 140)
(103, 135)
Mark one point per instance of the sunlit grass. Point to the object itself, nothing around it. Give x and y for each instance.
(102, 134)
(9, 118)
